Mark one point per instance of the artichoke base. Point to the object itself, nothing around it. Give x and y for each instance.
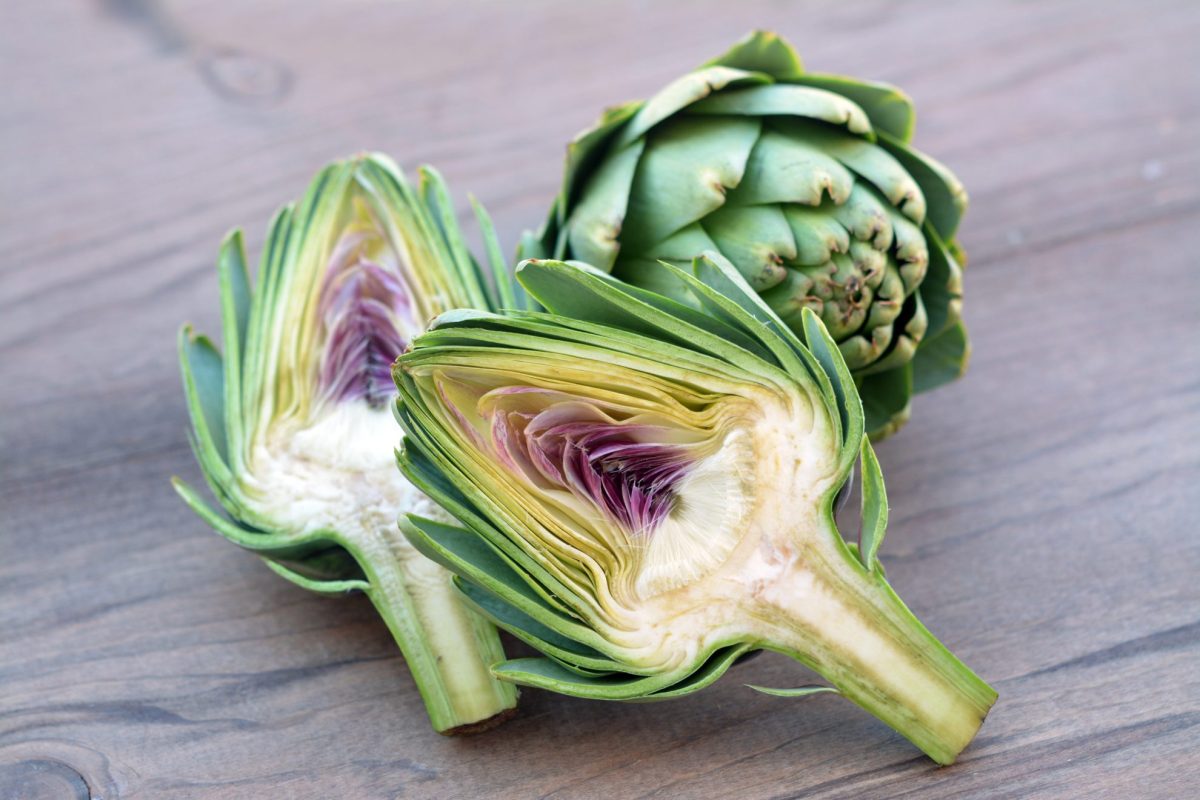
(823, 608)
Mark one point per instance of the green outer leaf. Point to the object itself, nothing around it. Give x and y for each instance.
(874, 164)
(942, 359)
(945, 197)
(852, 548)
(436, 198)
(886, 399)
(789, 100)
(236, 302)
(662, 198)
(204, 389)
(284, 545)
(582, 154)
(889, 108)
(591, 233)
(799, 691)
(787, 171)
(707, 319)
(714, 667)
(257, 402)
(544, 673)
(941, 291)
(568, 652)
(678, 95)
(874, 507)
(849, 405)
(762, 51)
(235, 282)
(910, 329)
(332, 562)
(478, 560)
(741, 305)
(532, 245)
(563, 289)
(714, 271)
(325, 587)
(576, 338)
(504, 294)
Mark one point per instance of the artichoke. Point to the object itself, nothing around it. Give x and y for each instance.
(808, 184)
(293, 427)
(646, 492)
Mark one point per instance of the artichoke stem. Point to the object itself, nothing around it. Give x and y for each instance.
(847, 624)
(449, 648)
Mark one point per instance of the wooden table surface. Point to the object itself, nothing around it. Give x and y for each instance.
(1044, 520)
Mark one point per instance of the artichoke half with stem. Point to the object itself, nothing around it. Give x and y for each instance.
(292, 424)
(808, 184)
(646, 489)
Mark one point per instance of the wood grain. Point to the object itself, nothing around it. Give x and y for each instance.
(1043, 509)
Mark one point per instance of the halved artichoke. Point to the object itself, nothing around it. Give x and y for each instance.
(647, 489)
(808, 184)
(293, 428)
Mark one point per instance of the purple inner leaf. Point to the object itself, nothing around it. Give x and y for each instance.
(361, 306)
(620, 467)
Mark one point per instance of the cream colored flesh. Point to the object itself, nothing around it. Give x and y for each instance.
(336, 473)
(784, 463)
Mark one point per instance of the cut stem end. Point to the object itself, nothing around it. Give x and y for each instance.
(848, 625)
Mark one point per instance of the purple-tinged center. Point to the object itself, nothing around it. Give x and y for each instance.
(362, 306)
(619, 467)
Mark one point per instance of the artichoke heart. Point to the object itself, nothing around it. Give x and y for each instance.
(647, 488)
(320, 463)
(292, 424)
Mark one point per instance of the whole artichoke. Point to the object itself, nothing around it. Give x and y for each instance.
(807, 184)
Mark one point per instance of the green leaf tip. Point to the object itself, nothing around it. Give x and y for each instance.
(799, 691)
(874, 507)
(762, 51)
